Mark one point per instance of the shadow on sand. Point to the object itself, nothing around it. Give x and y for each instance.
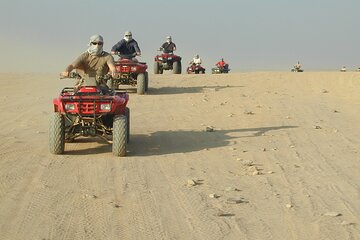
(84, 142)
(182, 90)
(169, 142)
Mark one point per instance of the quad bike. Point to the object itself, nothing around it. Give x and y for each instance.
(167, 61)
(193, 68)
(88, 111)
(297, 70)
(219, 69)
(130, 72)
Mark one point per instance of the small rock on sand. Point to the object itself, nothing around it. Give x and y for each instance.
(209, 129)
(332, 214)
(346, 223)
(191, 183)
(213, 195)
(229, 189)
(247, 162)
(236, 200)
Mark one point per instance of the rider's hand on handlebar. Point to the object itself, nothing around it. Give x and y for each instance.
(114, 74)
(64, 74)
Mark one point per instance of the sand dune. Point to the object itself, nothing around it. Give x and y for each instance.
(281, 163)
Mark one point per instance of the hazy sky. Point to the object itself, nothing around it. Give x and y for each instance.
(46, 35)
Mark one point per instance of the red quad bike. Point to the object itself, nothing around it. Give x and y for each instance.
(167, 61)
(220, 69)
(88, 112)
(130, 73)
(193, 68)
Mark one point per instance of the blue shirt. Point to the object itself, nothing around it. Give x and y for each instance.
(168, 47)
(126, 48)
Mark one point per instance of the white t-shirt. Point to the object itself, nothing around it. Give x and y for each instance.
(197, 60)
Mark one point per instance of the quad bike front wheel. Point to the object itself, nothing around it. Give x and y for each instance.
(141, 83)
(146, 81)
(119, 135)
(127, 114)
(57, 133)
(177, 67)
(156, 68)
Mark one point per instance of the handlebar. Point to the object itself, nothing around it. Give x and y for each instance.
(71, 75)
(76, 75)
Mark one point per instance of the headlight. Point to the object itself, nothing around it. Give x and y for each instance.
(133, 69)
(105, 106)
(69, 106)
(160, 58)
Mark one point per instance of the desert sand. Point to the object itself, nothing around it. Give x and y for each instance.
(253, 155)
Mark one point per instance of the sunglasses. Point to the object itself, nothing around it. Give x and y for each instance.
(128, 35)
(97, 43)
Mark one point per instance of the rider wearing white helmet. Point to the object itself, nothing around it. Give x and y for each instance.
(196, 60)
(127, 46)
(169, 46)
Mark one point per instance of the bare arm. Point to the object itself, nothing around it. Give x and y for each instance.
(72, 66)
(67, 71)
(111, 65)
(137, 49)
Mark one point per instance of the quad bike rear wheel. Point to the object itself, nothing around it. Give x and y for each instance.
(119, 135)
(141, 83)
(57, 133)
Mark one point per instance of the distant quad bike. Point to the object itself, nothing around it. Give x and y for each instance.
(297, 70)
(218, 69)
(167, 61)
(193, 68)
(130, 73)
(89, 111)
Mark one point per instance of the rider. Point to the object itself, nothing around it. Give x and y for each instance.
(127, 47)
(196, 60)
(169, 46)
(222, 64)
(297, 66)
(94, 62)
